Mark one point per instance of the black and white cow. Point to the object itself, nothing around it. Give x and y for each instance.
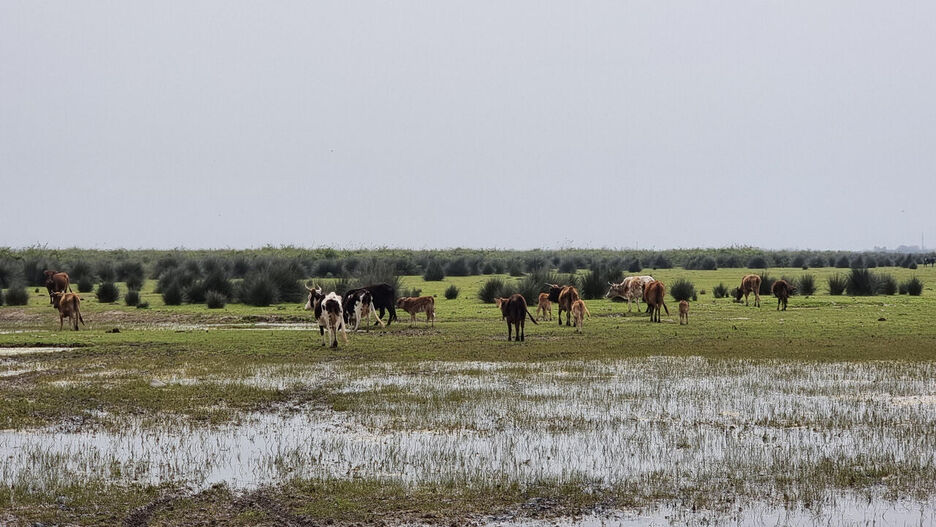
(359, 306)
(328, 314)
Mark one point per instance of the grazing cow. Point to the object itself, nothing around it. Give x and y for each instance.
(782, 290)
(631, 288)
(749, 284)
(514, 311)
(68, 305)
(655, 296)
(417, 304)
(383, 298)
(929, 260)
(683, 312)
(328, 314)
(579, 311)
(56, 282)
(358, 307)
(564, 296)
(544, 306)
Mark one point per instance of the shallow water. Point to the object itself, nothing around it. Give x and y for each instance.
(651, 421)
(9, 352)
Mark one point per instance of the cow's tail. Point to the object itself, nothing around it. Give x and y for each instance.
(664, 306)
(586, 309)
(76, 305)
(530, 315)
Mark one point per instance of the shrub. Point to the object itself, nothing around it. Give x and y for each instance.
(195, 292)
(86, 285)
(567, 265)
(285, 276)
(451, 292)
(720, 291)
(913, 286)
(515, 267)
(216, 280)
(105, 271)
(143, 305)
(134, 282)
(806, 284)
(837, 284)
(734, 294)
(534, 283)
(107, 292)
(130, 272)
(757, 262)
(634, 266)
(731, 261)
(1, 297)
(338, 285)
(491, 289)
(766, 282)
(682, 289)
(178, 276)
(17, 295)
(215, 300)
(458, 267)
(595, 283)
(172, 294)
(376, 271)
(799, 261)
(858, 262)
(701, 263)
(80, 270)
(817, 262)
(7, 273)
(132, 298)
(913, 265)
(488, 268)
(886, 284)
(413, 291)
(842, 262)
(258, 289)
(34, 269)
(662, 262)
(434, 272)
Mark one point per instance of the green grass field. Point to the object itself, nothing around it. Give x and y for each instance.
(160, 422)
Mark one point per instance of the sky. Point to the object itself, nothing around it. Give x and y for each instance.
(486, 124)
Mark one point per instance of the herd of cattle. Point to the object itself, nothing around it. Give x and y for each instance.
(334, 312)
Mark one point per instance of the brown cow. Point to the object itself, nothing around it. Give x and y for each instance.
(56, 282)
(579, 311)
(68, 305)
(514, 311)
(418, 304)
(544, 306)
(683, 312)
(749, 284)
(564, 296)
(655, 296)
(782, 290)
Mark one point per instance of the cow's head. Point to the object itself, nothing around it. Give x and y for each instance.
(738, 294)
(315, 296)
(616, 290)
(57, 299)
(554, 291)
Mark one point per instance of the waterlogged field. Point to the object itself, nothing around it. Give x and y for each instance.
(825, 413)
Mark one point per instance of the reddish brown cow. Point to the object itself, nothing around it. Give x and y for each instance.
(56, 283)
(514, 311)
(655, 297)
(564, 296)
(544, 306)
(782, 290)
(683, 312)
(749, 284)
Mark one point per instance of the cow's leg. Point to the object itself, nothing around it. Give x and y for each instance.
(509, 332)
(522, 329)
(61, 321)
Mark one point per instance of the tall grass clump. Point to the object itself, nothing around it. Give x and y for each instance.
(17, 295)
(458, 267)
(215, 300)
(912, 286)
(86, 284)
(701, 263)
(806, 285)
(634, 266)
(451, 292)
(491, 289)
(376, 271)
(434, 272)
(132, 298)
(886, 284)
(172, 294)
(595, 283)
(216, 280)
(682, 289)
(766, 282)
(757, 262)
(861, 282)
(8, 272)
(720, 290)
(195, 292)
(107, 292)
(258, 289)
(837, 284)
(534, 283)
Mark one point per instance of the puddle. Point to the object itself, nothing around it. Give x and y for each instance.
(659, 423)
(9, 352)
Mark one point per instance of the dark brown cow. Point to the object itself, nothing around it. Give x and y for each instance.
(56, 282)
(655, 296)
(564, 296)
(514, 311)
(68, 305)
(782, 290)
(749, 284)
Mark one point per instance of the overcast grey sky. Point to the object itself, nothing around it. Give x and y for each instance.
(778, 124)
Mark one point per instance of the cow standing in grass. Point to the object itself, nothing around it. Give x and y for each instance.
(328, 313)
(579, 312)
(655, 297)
(563, 296)
(749, 284)
(782, 290)
(683, 312)
(383, 298)
(544, 306)
(359, 307)
(514, 311)
(418, 304)
(631, 289)
(68, 305)
(56, 282)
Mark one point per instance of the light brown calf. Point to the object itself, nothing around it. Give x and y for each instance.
(579, 311)
(544, 306)
(68, 305)
(418, 304)
(683, 312)
(749, 284)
